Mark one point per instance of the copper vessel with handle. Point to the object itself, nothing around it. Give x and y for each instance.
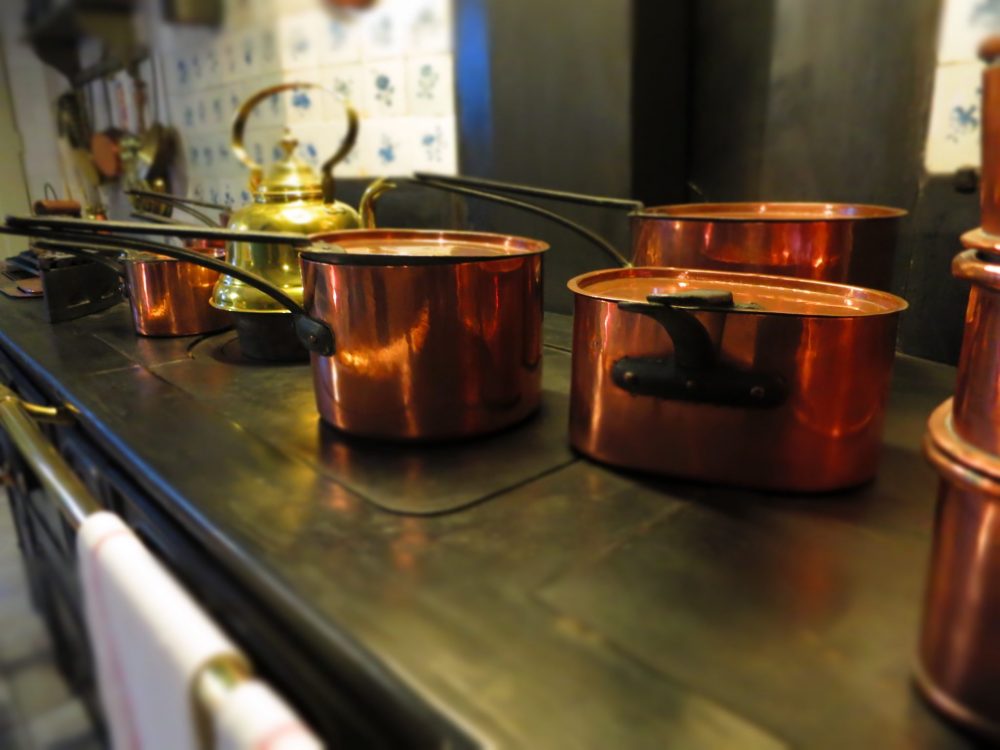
(846, 243)
(743, 379)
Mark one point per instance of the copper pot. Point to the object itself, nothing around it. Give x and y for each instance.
(438, 333)
(958, 666)
(170, 297)
(743, 379)
(838, 242)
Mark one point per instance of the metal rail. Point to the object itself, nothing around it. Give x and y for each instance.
(223, 673)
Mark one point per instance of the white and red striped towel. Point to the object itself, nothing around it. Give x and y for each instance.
(149, 640)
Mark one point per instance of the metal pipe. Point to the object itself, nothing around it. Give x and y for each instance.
(223, 673)
(74, 499)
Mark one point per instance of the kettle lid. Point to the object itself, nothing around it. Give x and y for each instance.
(291, 176)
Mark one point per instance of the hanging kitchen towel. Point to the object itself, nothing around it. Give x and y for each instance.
(253, 717)
(149, 639)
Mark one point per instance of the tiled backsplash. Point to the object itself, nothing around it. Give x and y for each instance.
(954, 132)
(393, 62)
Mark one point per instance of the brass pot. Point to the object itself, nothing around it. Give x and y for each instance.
(730, 378)
(958, 666)
(291, 198)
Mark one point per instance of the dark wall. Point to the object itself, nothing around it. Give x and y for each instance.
(812, 100)
(573, 96)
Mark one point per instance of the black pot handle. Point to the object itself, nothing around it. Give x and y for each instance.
(694, 372)
(316, 335)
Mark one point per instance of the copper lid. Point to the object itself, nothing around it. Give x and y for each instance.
(771, 211)
(382, 246)
(771, 295)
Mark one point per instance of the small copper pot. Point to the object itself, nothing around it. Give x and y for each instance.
(838, 242)
(744, 379)
(171, 297)
(958, 668)
(977, 390)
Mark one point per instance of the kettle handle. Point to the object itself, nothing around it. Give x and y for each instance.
(256, 170)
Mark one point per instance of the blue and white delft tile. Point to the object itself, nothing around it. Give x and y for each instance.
(268, 51)
(384, 87)
(390, 146)
(228, 49)
(385, 30)
(304, 104)
(430, 27)
(433, 144)
(431, 85)
(964, 24)
(953, 138)
(345, 82)
(340, 37)
(300, 39)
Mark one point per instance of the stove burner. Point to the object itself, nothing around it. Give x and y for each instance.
(225, 348)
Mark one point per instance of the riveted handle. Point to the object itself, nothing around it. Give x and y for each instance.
(256, 170)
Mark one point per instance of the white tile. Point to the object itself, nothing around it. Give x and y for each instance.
(228, 50)
(211, 65)
(346, 82)
(269, 54)
(217, 102)
(384, 88)
(390, 145)
(386, 31)
(956, 109)
(300, 37)
(430, 85)
(433, 145)
(306, 104)
(340, 36)
(431, 26)
(964, 24)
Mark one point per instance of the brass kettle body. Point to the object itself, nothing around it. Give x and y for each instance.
(291, 198)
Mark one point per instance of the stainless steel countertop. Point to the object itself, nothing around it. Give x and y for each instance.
(563, 604)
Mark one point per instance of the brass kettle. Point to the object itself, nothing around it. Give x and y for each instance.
(291, 198)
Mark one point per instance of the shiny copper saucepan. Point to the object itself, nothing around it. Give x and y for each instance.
(730, 378)
(838, 242)
(414, 335)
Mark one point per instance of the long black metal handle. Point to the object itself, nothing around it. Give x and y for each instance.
(482, 183)
(61, 223)
(694, 372)
(316, 335)
(592, 237)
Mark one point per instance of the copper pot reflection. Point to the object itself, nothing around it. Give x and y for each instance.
(170, 297)
(959, 655)
(789, 395)
(838, 242)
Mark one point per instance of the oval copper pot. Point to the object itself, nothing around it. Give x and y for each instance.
(783, 387)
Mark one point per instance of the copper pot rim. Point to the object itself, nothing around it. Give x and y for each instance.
(982, 241)
(753, 212)
(884, 302)
(499, 246)
(977, 267)
(146, 258)
(958, 461)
